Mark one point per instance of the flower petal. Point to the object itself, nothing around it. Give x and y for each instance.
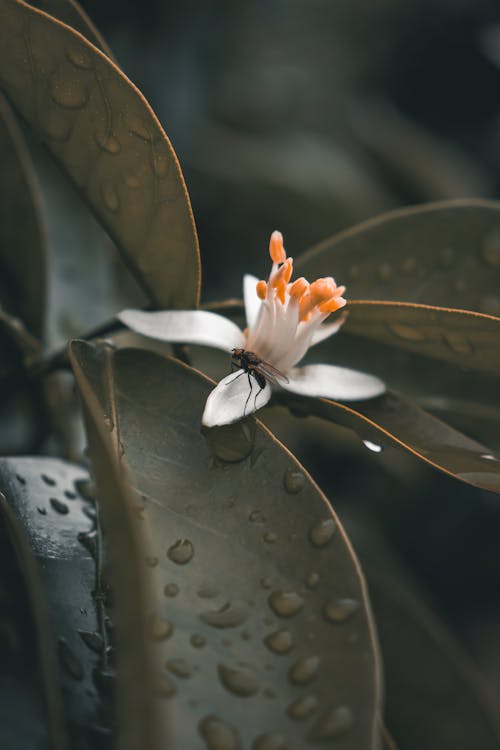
(232, 399)
(327, 329)
(185, 326)
(252, 301)
(337, 383)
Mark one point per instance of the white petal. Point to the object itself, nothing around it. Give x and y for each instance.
(337, 383)
(229, 401)
(326, 330)
(185, 326)
(251, 299)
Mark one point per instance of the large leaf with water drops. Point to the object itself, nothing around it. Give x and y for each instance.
(72, 14)
(103, 132)
(264, 631)
(23, 255)
(30, 715)
(60, 526)
(444, 253)
(396, 421)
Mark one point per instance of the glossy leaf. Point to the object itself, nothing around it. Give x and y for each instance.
(23, 253)
(61, 533)
(394, 420)
(445, 253)
(103, 132)
(72, 14)
(264, 632)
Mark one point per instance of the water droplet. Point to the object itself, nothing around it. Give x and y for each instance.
(240, 681)
(20, 479)
(180, 668)
(385, 272)
(266, 583)
(164, 686)
(303, 707)
(132, 182)
(322, 532)
(218, 735)
(257, 516)
(59, 506)
(161, 165)
(285, 603)
(171, 589)
(229, 616)
(93, 641)
(67, 91)
(151, 561)
(137, 126)
(374, 447)
(79, 57)
(160, 628)
(281, 642)
(181, 552)
(458, 342)
(312, 580)
(294, 481)
(270, 537)
(86, 488)
(70, 495)
(409, 265)
(107, 142)
(231, 443)
(334, 723)
(447, 257)
(406, 332)
(110, 196)
(197, 641)
(270, 741)
(339, 610)
(491, 249)
(489, 457)
(48, 480)
(304, 670)
(69, 660)
(42, 511)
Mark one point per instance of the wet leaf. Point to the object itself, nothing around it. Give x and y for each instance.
(264, 633)
(60, 528)
(103, 132)
(23, 253)
(72, 14)
(26, 690)
(394, 420)
(443, 253)
(469, 340)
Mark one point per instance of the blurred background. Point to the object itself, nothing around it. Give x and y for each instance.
(310, 116)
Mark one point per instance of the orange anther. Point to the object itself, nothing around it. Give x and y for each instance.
(298, 288)
(335, 303)
(261, 289)
(276, 249)
(323, 289)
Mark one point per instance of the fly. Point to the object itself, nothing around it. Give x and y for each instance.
(256, 367)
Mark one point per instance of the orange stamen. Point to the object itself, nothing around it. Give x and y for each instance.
(281, 278)
(335, 303)
(298, 288)
(261, 289)
(276, 249)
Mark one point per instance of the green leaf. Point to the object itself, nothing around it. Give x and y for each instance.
(23, 253)
(72, 14)
(66, 584)
(396, 421)
(469, 340)
(103, 132)
(264, 631)
(443, 254)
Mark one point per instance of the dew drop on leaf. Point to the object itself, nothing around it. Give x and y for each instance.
(303, 707)
(270, 741)
(335, 723)
(293, 481)
(59, 506)
(181, 552)
(239, 681)
(285, 603)
(304, 670)
(197, 641)
(280, 642)
(171, 589)
(218, 735)
(180, 668)
(160, 628)
(322, 532)
(228, 616)
(374, 447)
(341, 609)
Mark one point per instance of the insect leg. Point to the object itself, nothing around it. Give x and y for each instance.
(250, 393)
(257, 396)
(236, 378)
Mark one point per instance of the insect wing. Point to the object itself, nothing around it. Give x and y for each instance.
(270, 372)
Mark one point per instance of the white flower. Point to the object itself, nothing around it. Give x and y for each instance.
(283, 320)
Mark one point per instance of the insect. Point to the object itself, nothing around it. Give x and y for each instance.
(254, 366)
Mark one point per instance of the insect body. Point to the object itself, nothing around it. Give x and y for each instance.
(256, 367)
